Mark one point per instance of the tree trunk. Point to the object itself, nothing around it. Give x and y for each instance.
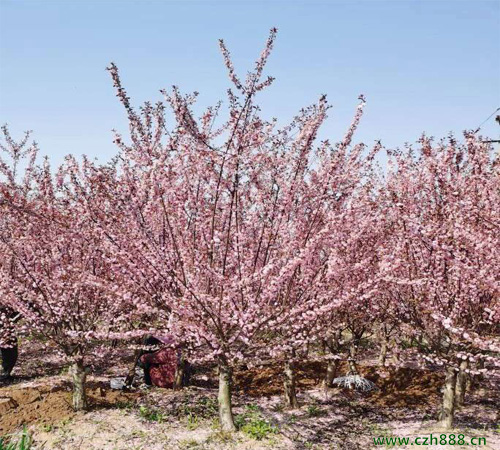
(395, 349)
(383, 345)
(179, 372)
(461, 387)
(353, 368)
(331, 371)
(78, 376)
(383, 352)
(290, 385)
(129, 379)
(448, 407)
(225, 407)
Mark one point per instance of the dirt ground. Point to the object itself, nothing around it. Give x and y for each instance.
(405, 404)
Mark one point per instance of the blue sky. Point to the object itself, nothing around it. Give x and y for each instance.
(429, 66)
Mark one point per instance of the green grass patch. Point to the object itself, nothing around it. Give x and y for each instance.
(16, 442)
(254, 425)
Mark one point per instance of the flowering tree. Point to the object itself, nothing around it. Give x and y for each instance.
(226, 228)
(17, 160)
(244, 240)
(442, 262)
(335, 203)
(56, 277)
(354, 292)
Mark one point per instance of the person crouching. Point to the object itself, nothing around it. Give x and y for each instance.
(159, 365)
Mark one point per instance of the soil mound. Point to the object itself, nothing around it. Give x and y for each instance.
(50, 403)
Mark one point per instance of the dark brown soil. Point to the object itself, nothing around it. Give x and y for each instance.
(48, 405)
(403, 387)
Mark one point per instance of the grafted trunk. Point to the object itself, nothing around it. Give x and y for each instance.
(461, 386)
(78, 377)
(395, 352)
(129, 379)
(353, 368)
(179, 372)
(290, 385)
(331, 371)
(225, 406)
(383, 345)
(383, 352)
(448, 406)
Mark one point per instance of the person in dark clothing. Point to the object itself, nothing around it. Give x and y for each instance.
(9, 359)
(153, 343)
(162, 363)
(160, 367)
(8, 342)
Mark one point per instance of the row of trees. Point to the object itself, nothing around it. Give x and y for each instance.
(242, 241)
